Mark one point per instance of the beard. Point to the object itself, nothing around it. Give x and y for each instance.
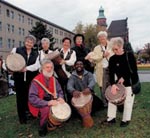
(47, 74)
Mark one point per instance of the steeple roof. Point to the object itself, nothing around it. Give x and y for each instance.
(101, 13)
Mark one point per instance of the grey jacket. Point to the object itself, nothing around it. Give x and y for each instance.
(77, 83)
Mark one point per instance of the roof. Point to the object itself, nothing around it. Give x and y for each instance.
(118, 28)
(34, 16)
(101, 13)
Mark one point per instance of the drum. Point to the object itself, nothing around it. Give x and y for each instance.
(119, 97)
(83, 104)
(58, 114)
(56, 59)
(15, 62)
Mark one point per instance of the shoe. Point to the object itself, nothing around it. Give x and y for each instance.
(124, 124)
(43, 130)
(111, 122)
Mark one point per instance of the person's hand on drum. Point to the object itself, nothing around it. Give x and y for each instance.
(62, 62)
(114, 89)
(23, 70)
(60, 100)
(86, 91)
(76, 94)
(121, 81)
(52, 102)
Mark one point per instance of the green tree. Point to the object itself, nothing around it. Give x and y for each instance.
(89, 31)
(39, 31)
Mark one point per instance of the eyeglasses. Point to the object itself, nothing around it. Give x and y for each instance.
(115, 49)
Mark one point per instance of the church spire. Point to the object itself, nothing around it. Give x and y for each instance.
(101, 20)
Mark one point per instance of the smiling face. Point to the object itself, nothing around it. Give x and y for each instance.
(118, 50)
(79, 40)
(47, 69)
(79, 67)
(102, 39)
(29, 43)
(66, 44)
(45, 45)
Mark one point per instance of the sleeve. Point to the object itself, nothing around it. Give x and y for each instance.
(91, 81)
(59, 90)
(72, 59)
(13, 50)
(111, 72)
(70, 85)
(97, 56)
(34, 98)
(35, 66)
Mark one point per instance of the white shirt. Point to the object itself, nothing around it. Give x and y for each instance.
(104, 60)
(69, 62)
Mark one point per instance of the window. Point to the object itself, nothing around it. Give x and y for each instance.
(56, 31)
(1, 42)
(13, 43)
(20, 43)
(19, 17)
(8, 13)
(22, 19)
(0, 26)
(0, 9)
(19, 31)
(9, 43)
(12, 28)
(12, 14)
(31, 22)
(8, 27)
(28, 21)
(23, 32)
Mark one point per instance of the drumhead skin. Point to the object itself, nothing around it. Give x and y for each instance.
(15, 62)
(119, 97)
(53, 55)
(62, 112)
(82, 100)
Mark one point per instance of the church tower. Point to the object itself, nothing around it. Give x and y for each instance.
(101, 20)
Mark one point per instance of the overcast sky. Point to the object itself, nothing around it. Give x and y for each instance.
(67, 13)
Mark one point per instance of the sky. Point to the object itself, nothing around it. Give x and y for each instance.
(67, 13)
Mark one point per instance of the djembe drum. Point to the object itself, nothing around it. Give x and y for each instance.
(83, 104)
(56, 59)
(119, 97)
(15, 62)
(58, 114)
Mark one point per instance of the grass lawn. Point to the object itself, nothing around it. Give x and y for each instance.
(138, 128)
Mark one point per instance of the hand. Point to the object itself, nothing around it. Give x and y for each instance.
(62, 62)
(24, 70)
(114, 89)
(52, 102)
(121, 81)
(60, 100)
(106, 54)
(76, 94)
(86, 91)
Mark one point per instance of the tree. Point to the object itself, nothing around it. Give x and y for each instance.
(147, 48)
(89, 31)
(40, 31)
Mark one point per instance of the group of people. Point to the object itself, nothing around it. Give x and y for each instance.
(39, 86)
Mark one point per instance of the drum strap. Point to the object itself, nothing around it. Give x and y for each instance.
(46, 90)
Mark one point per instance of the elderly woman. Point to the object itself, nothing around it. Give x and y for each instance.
(120, 73)
(100, 56)
(82, 51)
(23, 78)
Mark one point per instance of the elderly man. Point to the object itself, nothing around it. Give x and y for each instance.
(45, 91)
(100, 56)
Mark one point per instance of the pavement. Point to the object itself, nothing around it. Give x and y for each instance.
(144, 76)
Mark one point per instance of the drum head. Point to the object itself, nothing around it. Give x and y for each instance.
(82, 100)
(120, 95)
(62, 112)
(15, 62)
(53, 55)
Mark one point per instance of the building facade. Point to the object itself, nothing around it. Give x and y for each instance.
(15, 24)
